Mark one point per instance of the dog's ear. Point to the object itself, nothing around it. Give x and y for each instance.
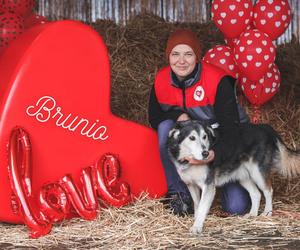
(211, 131)
(174, 133)
(212, 135)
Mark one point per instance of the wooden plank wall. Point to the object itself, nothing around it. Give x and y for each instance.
(122, 10)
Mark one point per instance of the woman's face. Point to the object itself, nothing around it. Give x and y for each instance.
(182, 60)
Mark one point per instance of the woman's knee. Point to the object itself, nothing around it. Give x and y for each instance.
(163, 131)
(235, 199)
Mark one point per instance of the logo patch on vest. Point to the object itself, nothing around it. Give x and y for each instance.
(199, 93)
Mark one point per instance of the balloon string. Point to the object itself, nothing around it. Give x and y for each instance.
(256, 117)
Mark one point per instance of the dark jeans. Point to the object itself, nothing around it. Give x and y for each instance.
(234, 198)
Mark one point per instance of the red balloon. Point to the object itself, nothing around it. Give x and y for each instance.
(230, 42)
(21, 7)
(89, 190)
(11, 26)
(34, 19)
(106, 175)
(54, 203)
(222, 57)
(250, 26)
(19, 151)
(272, 17)
(261, 91)
(79, 202)
(232, 16)
(254, 53)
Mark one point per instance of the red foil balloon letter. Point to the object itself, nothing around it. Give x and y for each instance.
(19, 166)
(106, 174)
(54, 202)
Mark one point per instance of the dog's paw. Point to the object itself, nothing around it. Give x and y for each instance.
(266, 213)
(196, 230)
(249, 215)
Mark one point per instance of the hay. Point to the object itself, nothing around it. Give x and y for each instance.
(147, 224)
(136, 53)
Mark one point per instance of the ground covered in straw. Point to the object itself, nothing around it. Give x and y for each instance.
(136, 53)
(147, 224)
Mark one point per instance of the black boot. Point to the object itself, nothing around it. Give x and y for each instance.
(180, 203)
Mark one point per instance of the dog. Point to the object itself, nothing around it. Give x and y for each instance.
(258, 152)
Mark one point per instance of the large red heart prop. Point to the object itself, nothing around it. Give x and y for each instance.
(272, 17)
(232, 16)
(55, 83)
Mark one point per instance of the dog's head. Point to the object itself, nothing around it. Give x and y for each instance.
(190, 139)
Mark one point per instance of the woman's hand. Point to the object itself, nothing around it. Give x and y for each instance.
(209, 159)
(183, 117)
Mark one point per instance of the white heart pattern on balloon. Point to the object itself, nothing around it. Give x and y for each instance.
(254, 54)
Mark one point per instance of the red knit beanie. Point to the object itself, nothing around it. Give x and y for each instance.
(183, 36)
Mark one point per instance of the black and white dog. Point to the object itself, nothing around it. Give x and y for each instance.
(259, 151)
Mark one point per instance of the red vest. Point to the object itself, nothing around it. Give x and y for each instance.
(202, 93)
(198, 99)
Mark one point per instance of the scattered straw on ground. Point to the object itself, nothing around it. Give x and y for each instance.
(147, 224)
(136, 53)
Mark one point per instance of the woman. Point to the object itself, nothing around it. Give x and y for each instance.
(191, 89)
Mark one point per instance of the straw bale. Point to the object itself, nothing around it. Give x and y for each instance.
(136, 53)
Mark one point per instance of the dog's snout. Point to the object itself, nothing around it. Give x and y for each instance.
(205, 154)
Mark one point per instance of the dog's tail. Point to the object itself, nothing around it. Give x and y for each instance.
(289, 163)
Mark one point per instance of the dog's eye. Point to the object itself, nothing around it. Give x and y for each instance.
(192, 138)
(204, 137)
